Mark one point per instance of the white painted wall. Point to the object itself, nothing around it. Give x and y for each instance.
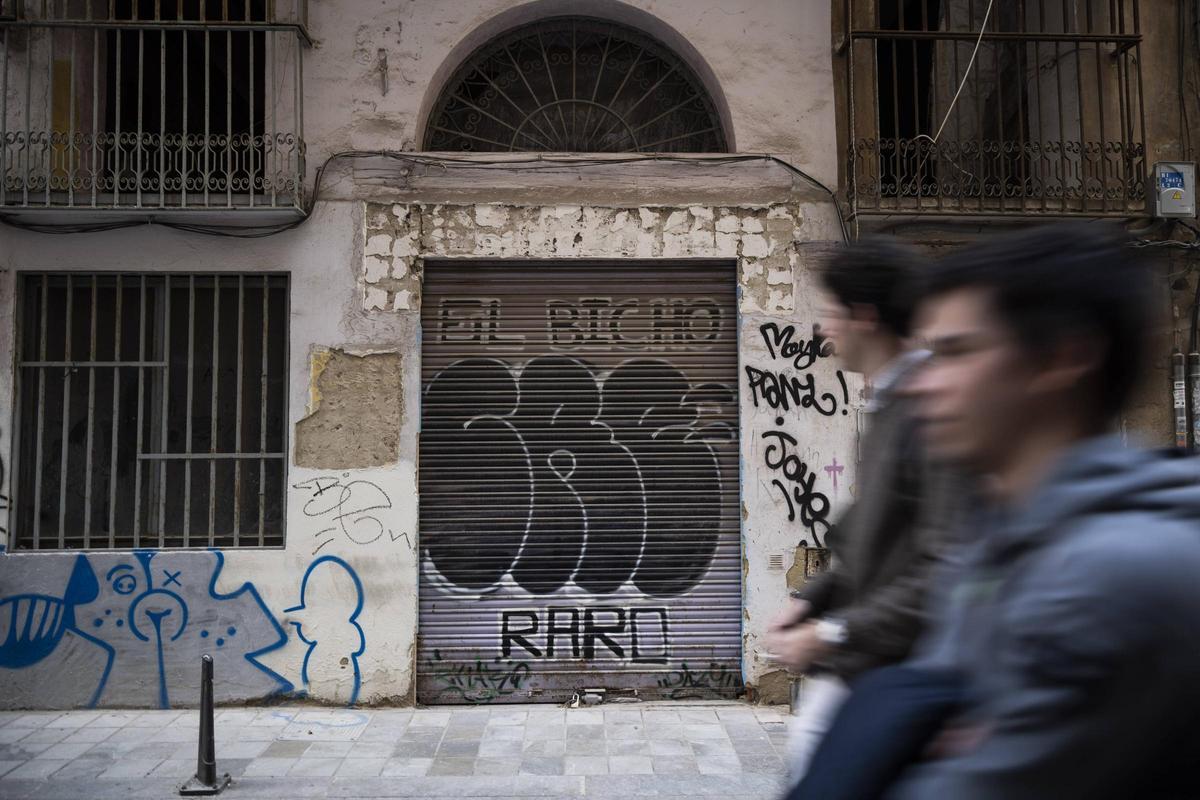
(770, 59)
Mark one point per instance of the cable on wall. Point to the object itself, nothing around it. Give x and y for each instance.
(448, 162)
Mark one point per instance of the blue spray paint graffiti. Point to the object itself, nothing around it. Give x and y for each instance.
(130, 633)
(37, 624)
(153, 606)
(284, 686)
(330, 580)
(338, 721)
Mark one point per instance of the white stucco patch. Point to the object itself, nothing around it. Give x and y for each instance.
(402, 301)
(490, 216)
(378, 244)
(375, 268)
(405, 246)
(728, 223)
(374, 299)
(755, 246)
(758, 238)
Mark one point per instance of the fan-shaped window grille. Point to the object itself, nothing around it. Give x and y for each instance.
(575, 85)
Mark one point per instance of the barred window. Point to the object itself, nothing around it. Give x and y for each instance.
(575, 84)
(151, 410)
(139, 104)
(215, 75)
(968, 106)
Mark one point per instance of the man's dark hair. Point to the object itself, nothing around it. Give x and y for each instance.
(1066, 279)
(875, 272)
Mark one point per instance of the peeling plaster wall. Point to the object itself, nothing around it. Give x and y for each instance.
(399, 237)
(354, 412)
(332, 615)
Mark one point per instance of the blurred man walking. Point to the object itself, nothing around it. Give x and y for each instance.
(1075, 624)
(866, 611)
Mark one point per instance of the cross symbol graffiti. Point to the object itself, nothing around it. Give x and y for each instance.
(834, 470)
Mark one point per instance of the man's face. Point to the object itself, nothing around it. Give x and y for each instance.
(975, 392)
(838, 325)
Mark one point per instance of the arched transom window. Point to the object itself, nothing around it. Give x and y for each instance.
(574, 84)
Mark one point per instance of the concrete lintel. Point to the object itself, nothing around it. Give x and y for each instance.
(586, 179)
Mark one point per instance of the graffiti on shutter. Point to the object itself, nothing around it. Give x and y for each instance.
(578, 482)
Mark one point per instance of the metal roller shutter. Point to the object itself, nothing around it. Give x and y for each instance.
(579, 481)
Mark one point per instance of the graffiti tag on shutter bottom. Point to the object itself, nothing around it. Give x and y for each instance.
(688, 683)
(476, 681)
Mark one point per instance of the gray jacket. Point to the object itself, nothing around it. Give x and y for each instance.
(1075, 621)
(886, 545)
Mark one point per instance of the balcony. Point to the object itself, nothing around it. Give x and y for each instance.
(1033, 108)
(152, 108)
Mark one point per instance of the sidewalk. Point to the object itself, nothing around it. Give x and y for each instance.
(668, 750)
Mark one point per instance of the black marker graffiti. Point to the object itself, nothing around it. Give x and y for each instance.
(802, 353)
(717, 680)
(781, 390)
(478, 682)
(590, 473)
(639, 634)
(349, 508)
(798, 491)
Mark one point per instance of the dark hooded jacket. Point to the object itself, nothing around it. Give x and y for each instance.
(885, 547)
(1075, 622)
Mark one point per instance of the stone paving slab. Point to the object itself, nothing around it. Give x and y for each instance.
(661, 750)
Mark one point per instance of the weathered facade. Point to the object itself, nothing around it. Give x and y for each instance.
(484, 426)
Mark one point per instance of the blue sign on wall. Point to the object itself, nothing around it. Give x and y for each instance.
(1170, 180)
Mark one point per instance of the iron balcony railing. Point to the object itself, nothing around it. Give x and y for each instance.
(994, 107)
(152, 105)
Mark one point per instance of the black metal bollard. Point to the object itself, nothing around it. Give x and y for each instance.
(205, 781)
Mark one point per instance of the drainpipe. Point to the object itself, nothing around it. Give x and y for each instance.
(1186, 375)
(1179, 399)
(1194, 379)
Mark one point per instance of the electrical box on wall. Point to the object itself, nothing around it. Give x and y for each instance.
(1173, 189)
